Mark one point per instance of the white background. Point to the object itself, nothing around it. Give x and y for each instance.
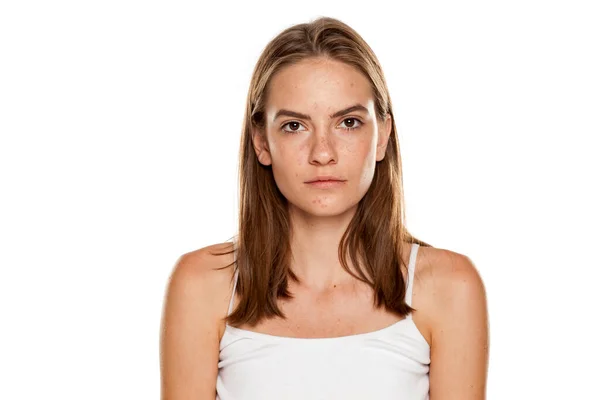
(120, 124)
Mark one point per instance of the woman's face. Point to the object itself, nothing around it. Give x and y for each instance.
(309, 135)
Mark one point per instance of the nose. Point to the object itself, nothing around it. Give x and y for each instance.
(323, 149)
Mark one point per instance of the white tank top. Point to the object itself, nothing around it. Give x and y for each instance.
(389, 363)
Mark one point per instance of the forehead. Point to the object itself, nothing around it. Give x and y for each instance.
(318, 84)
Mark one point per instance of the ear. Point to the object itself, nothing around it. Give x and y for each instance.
(383, 136)
(260, 144)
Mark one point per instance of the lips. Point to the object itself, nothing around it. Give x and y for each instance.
(326, 185)
(325, 179)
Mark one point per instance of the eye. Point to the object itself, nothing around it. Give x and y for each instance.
(293, 124)
(352, 127)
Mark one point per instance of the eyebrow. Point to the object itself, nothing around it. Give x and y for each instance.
(289, 113)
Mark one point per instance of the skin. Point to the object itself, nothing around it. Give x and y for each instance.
(448, 292)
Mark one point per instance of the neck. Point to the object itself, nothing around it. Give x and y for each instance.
(314, 243)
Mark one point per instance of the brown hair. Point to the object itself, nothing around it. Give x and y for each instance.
(375, 234)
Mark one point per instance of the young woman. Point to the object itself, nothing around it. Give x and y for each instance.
(323, 293)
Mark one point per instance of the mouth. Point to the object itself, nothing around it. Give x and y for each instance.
(325, 180)
(326, 184)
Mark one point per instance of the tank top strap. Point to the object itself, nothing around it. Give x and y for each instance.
(411, 273)
(235, 276)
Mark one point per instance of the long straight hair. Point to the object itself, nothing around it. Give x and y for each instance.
(375, 235)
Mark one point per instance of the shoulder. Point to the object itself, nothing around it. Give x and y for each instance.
(446, 283)
(450, 281)
(203, 273)
(458, 320)
(198, 286)
(195, 302)
(204, 262)
(448, 273)
(202, 267)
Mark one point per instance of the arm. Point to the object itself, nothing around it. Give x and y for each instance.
(460, 333)
(189, 337)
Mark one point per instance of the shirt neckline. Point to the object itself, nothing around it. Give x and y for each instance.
(365, 335)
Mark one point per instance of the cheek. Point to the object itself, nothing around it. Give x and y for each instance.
(288, 161)
(362, 150)
(299, 154)
(365, 157)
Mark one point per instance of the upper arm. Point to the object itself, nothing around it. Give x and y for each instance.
(189, 337)
(460, 333)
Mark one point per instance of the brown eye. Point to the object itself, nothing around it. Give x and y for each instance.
(349, 128)
(294, 127)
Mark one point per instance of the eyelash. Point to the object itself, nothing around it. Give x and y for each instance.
(346, 129)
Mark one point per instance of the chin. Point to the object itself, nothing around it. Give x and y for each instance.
(317, 207)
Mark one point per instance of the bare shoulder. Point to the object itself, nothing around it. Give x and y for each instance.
(205, 263)
(441, 277)
(204, 278)
(200, 275)
(446, 271)
(195, 300)
(447, 279)
(455, 301)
